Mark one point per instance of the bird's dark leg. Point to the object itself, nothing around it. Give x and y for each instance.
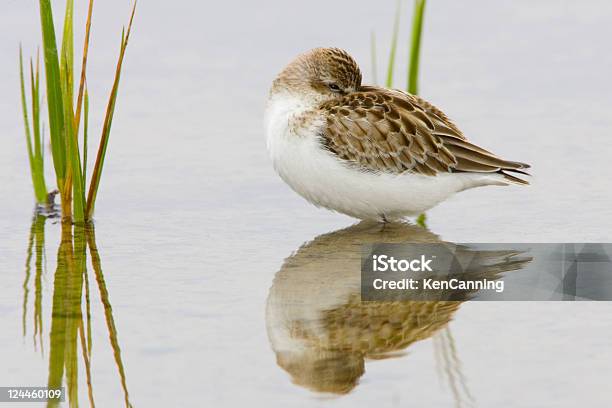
(384, 223)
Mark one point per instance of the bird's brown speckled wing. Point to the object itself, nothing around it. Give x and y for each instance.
(391, 131)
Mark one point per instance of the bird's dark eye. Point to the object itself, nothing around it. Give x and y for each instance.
(334, 87)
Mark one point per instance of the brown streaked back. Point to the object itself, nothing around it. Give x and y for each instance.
(391, 131)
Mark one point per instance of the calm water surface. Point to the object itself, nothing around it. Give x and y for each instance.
(189, 297)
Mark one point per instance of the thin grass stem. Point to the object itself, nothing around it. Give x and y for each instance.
(392, 51)
(26, 122)
(85, 136)
(77, 115)
(74, 178)
(413, 68)
(415, 46)
(39, 162)
(35, 159)
(54, 92)
(108, 120)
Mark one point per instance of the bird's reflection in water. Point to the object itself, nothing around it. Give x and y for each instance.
(322, 333)
(70, 335)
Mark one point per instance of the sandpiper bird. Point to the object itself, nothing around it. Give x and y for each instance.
(366, 151)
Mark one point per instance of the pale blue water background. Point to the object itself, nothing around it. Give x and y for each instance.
(192, 223)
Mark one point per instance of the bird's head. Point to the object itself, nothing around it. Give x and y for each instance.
(319, 75)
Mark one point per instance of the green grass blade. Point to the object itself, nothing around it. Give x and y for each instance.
(85, 136)
(74, 175)
(413, 69)
(34, 158)
(54, 91)
(373, 55)
(67, 54)
(83, 89)
(108, 120)
(26, 120)
(74, 178)
(393, 49)
(415, 46)
(77, 115)
(39, 163)
(38, 142)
